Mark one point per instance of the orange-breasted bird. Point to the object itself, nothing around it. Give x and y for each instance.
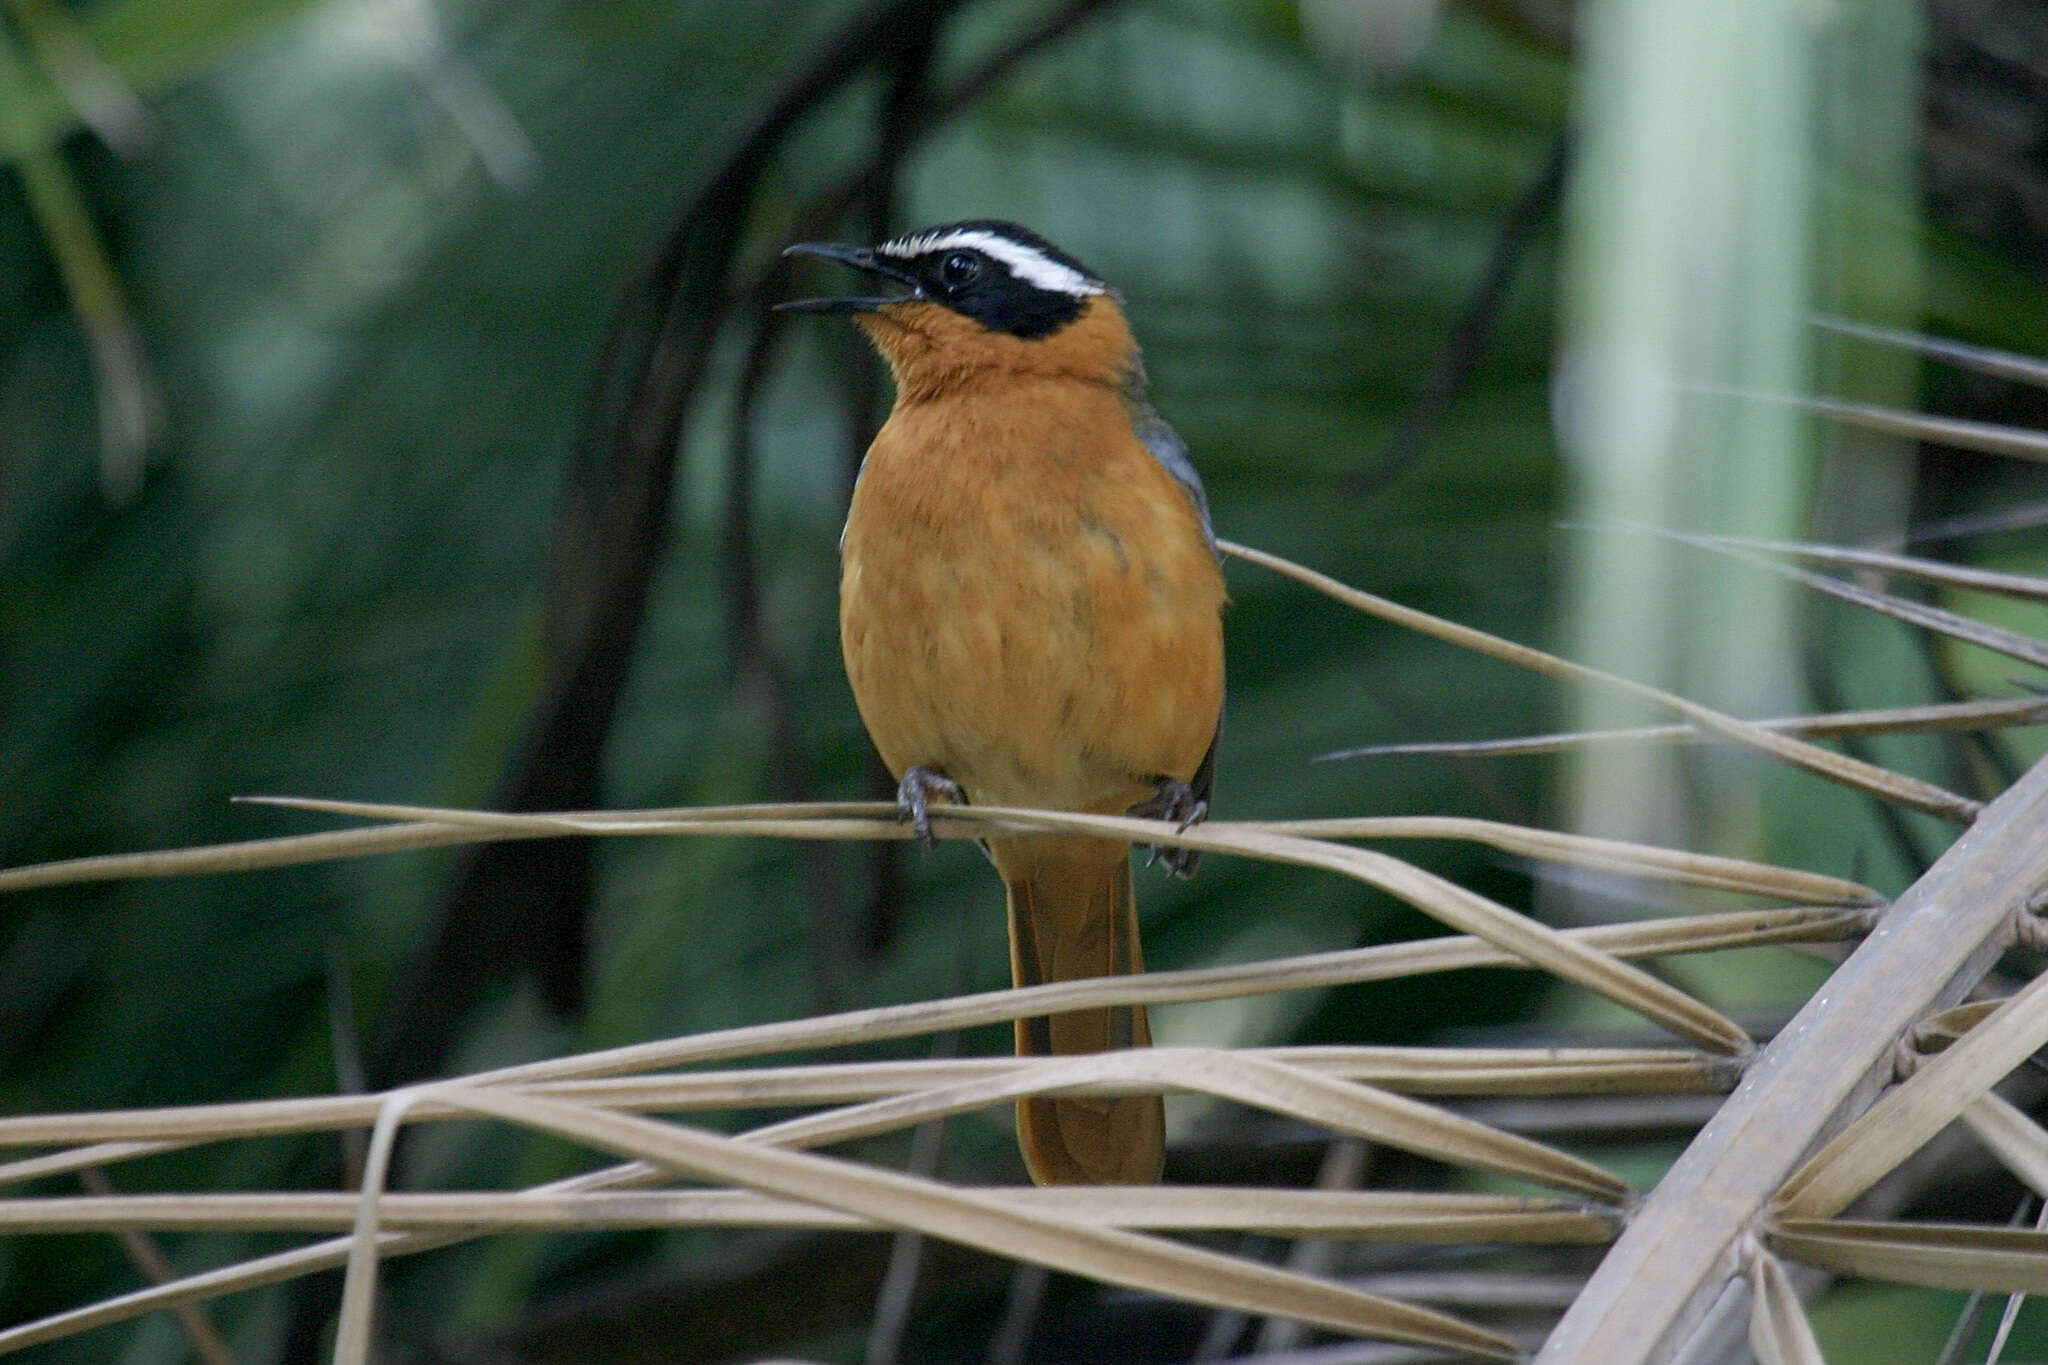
(1030, 608)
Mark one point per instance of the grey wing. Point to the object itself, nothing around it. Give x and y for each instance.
(1172, 452)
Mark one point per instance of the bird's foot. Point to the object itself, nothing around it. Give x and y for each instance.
(1173, 800)
(914, 797)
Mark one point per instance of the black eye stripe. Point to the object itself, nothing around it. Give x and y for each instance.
(990, 288)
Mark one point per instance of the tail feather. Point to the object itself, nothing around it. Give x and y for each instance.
(1074, 913)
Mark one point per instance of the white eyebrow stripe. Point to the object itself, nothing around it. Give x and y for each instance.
(1026, 263)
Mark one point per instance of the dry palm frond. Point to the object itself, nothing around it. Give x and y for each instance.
(1445, 901)
(1362, 1215)
(1778, 1330)
(1931, 1255)
(1955, 625)
(2013, 365)
(2019, 1143)
(1898, 720)
(1986, 438)
(902, 1201)
(1827, 1066)
(2023, 587)
(1906, 791)
(1901, 1122)
(1820, 1075)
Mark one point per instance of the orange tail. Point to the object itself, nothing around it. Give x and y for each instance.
(1074, 913)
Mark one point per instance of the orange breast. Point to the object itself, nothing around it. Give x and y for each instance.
(1027, 601)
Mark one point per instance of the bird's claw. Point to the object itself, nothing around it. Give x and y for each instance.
(914, 797)
(1173, 800)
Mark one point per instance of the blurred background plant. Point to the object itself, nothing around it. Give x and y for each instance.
(389, 409)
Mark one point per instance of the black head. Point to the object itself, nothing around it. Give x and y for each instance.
(1007, 278)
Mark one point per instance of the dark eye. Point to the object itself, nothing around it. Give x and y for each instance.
(959, 268)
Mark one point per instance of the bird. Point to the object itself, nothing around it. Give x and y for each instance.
(1031, 614)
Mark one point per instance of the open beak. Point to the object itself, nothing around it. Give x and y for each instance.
(860, 258)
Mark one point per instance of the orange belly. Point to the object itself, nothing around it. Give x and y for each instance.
(1028, 603)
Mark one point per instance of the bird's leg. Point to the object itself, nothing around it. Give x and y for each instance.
(914, 797)
(1173, 799)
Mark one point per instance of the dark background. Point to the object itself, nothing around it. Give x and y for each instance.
(479, 475)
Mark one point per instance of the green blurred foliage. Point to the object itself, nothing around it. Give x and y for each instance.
(1885, 1325)
(373, 355)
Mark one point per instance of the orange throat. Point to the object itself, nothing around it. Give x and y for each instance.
(932, 350)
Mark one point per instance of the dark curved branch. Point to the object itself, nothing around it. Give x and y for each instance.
(1466, 345)
(527, 902)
